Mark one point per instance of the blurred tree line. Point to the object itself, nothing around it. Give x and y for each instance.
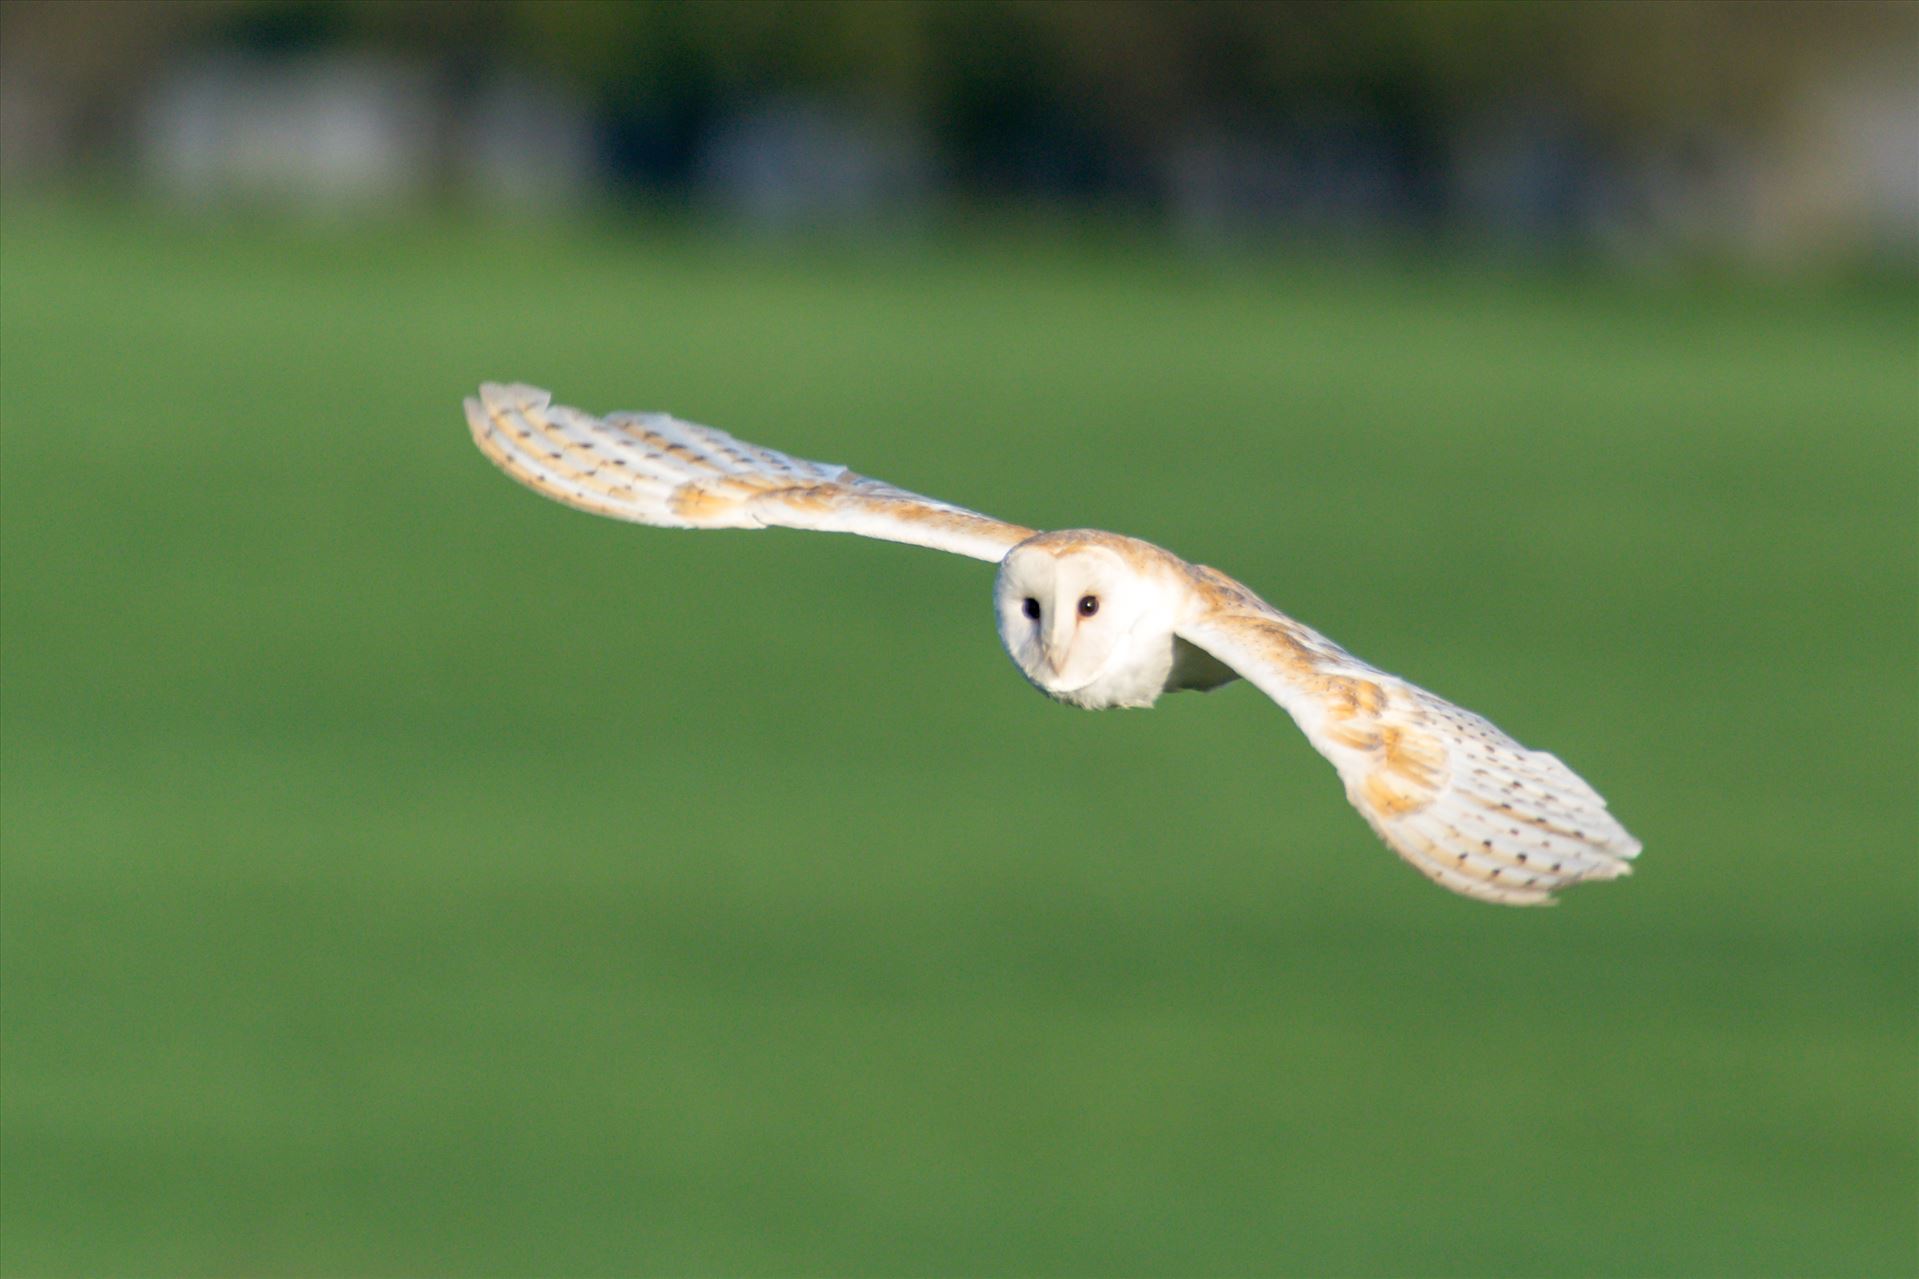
(1094, 100)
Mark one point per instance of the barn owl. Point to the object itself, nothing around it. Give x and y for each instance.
(1097, 620)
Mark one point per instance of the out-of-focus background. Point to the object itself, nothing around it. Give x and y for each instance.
(1779, 135)
(403, 875)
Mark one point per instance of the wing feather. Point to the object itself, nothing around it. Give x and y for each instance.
(1466, 805)
(650, 468)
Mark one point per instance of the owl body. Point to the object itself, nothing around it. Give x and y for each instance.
(1098, 620)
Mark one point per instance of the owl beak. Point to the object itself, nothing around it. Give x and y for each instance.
(1053, 646)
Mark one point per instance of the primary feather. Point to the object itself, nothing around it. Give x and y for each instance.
(1098, 620)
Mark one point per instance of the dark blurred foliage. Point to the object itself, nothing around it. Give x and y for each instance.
(1068, 98)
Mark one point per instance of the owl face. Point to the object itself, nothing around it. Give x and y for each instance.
(1071, 620)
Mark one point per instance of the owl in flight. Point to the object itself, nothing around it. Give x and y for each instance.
(1097, 620)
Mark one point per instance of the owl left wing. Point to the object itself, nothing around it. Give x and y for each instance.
(1466, 805)
(650, 468)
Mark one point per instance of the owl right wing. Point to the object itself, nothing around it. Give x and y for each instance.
(1466, 805)
(650, 468)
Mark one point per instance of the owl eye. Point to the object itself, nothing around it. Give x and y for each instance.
(1088, 605)
(1031, 608)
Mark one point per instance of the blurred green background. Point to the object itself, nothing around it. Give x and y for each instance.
(404, 875)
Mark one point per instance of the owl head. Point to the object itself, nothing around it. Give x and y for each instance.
(1082, 622)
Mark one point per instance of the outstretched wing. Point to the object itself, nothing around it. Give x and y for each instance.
(1467, 805)
(654, 469)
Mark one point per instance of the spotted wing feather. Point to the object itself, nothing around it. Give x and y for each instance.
(650, 468)
(1465, 804)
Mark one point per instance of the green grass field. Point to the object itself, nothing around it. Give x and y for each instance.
(404, 875)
